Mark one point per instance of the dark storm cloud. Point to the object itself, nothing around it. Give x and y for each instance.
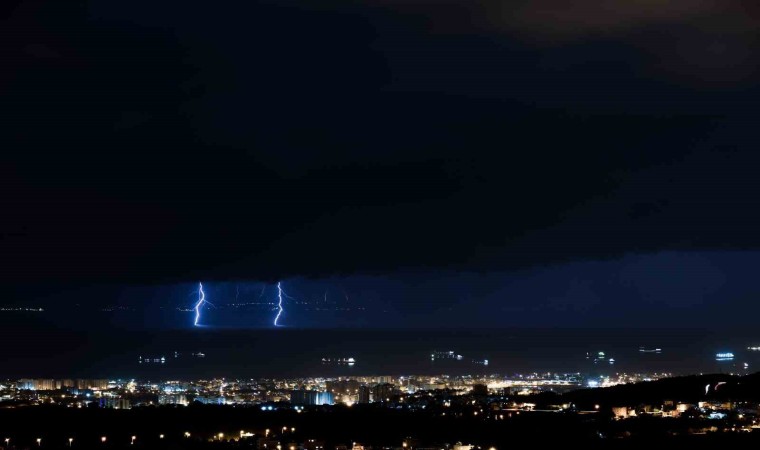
(146, 141)
(709, 43)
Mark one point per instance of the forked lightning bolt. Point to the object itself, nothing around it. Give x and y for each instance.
(199, 305)
(279, 304)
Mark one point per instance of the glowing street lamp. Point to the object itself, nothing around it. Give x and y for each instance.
(220, 436)
(7, 442)
(160, 436)
(71, 440)
(133, 440)
(187, 434)
(39, 442)
(103, 439)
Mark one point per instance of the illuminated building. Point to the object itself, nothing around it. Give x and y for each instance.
(45, 385)
(304, 397)
(210, 400)
(26, 385)
(364, 394)
(383, 392)
(91, 384)
(115, 403)
(41, 384)
(343, 387)
(325, 398)
(172, 399)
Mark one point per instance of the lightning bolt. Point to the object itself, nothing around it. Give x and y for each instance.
(199, 305)
(279, 304)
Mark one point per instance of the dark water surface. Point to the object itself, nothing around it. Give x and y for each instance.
(35, 346)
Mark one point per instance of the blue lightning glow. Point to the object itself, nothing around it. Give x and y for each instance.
(279, 304)
(199, 305)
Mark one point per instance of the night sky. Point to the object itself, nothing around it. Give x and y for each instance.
(534, 163)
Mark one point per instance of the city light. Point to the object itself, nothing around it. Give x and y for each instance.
(509, 396)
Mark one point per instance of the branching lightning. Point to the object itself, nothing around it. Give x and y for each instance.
(199, 305)
(279, 304)
(281, 295)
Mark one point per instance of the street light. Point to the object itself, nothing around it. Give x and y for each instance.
(70, 441)
(7, 442)
(187, 434)
(39, 442)
(160, 436)
(133, 440)
(221, 436)
(103, 439)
